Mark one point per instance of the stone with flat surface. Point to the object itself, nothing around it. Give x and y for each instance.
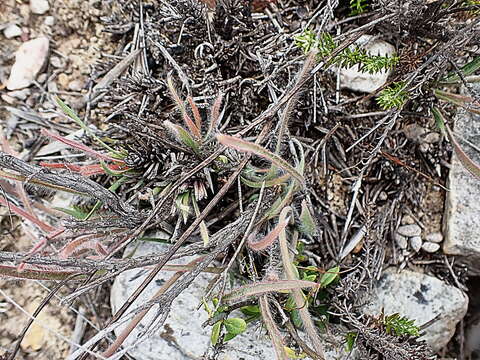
(462, 208)
(421, 298)
(182, 337)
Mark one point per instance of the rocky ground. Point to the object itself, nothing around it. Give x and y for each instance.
(391, 205)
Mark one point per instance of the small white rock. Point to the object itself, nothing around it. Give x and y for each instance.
(39, 7)
(434, 237)
(352, 78)
(12, 31)
(416, 243)
(8, 99)
(410, 230)
(49, 20)
(20, 94)
(414, 132)
(56, 62)
(42, 78)
(400, 240)
(423, 147)
(29, 60)
(432, 138)
(75, 85)
(430, 247)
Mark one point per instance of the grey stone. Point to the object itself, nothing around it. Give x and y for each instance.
(424, 147)
(49, 20)
(183, 337)
(416, 243)
(75, 85)
(414, 132)
(8, 99)
(42, 78)
(432, 138)
(436, 237)
(400, 240)
(57, 62)
(430, 247)
(462, 208)
(29, 60)
(409, 230)
(421, 298)
(20, 94)
(39, 7)
(12, 31)
(353, 79)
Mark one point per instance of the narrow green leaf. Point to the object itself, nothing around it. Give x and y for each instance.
(466, 102)
(249, 147)
(72, 115)
(217, 327)
(351, 337)
(308, 225)
(183, 136)
(80, 215)
(330, 276)
(466, 70)
(235, 326)
(203, 226)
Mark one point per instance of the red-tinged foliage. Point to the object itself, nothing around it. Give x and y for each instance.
(85, 170)
(76, 145)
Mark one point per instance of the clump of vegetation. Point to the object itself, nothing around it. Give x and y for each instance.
(292, 186)
(348, 57)
(393, 96)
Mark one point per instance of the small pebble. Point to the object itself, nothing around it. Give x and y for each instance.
(49, 20)
(423, 147)
(409, 230)
(434, 237)
(383, 196)
(63, 80)
(416, 243)
(401, 241)
(12, 31)
(430, 247)
(56, 62)
(52, 87)
(414, 132)
(75, 85)
(20, 94)
(8, 99)
(29, 60)
(407, 220)
(42, 78)
(39, 7)
(432, 138)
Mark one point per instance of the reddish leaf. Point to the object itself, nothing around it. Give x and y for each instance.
(80, 146)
